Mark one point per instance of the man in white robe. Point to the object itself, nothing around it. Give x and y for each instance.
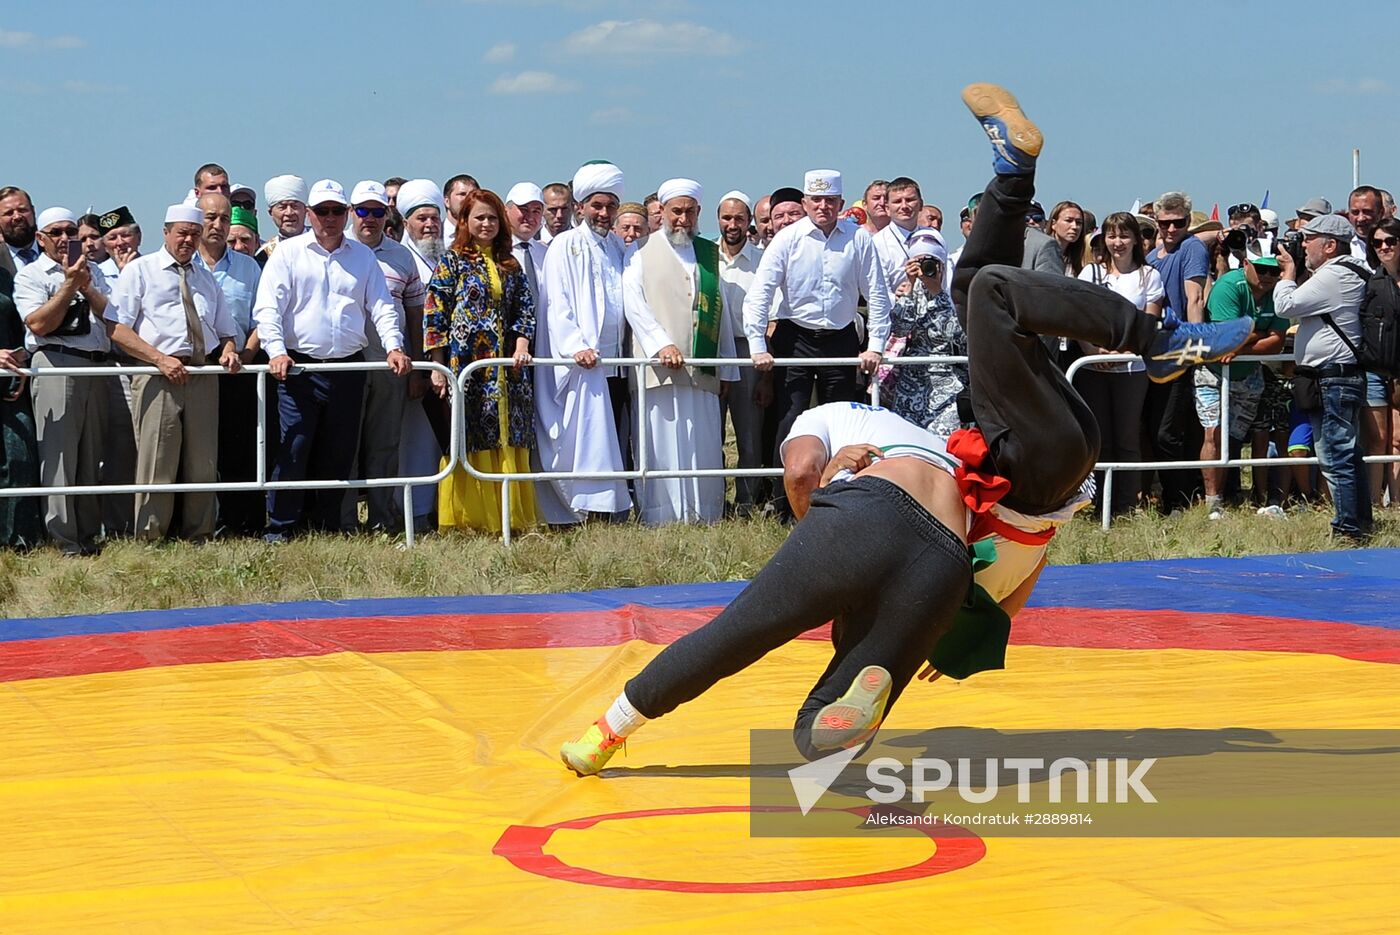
(575, 405)
(671, 291)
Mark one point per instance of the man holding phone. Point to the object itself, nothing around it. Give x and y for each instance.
(61, 298)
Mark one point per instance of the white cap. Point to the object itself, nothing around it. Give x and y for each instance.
(326, 190)
(822, 182)
(522, 193)
(679, 188)
(737, 195)
(369, 190)
(184, 214)
(284, 188)
(54, 216)
(191, 197)
(235, 188)
(1269, 217)
(926, 241)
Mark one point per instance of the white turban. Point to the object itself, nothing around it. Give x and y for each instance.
(416, 193)
(284, 188)
(737, 195)
(184, 214)
(53, 216)
(598, 177)
(679, 188)
(191, 197)
(522, 193)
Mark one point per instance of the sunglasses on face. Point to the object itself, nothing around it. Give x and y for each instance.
(1172, 222)
(62, 232)
(371, 212)
(1384, 243)
(329, 211)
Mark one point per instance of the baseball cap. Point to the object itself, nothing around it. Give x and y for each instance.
(326, 190)
(367, 191)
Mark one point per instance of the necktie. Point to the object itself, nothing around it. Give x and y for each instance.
(528, 262)
(193, 327)
(29, 254)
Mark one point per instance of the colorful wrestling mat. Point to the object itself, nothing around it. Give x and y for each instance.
(391, 765)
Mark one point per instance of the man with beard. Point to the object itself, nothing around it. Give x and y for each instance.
(241, 512)
(581, 411)
(18, 229)
(286, 203)
(738, 262)
(558, 211)
(425, 436)
(671, 291)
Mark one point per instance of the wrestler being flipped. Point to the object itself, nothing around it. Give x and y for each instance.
(888, 509)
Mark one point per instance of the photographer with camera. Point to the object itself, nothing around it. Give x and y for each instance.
(1246, 237)
(61, 298)
(1327, 307)
(923, 323)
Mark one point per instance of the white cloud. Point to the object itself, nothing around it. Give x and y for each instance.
(28, 40)
(649, 37)
(532, 82)
(1362, 86)
(499, 53)
(610, 116)
(31, 88)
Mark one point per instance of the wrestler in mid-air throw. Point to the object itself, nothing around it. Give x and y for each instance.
(883, 549)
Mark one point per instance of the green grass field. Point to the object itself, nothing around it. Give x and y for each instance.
(128, 576)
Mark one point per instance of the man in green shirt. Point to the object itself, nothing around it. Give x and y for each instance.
(1241, 293)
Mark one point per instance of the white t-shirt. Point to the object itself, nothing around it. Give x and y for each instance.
(837, 425)
(1141, 286)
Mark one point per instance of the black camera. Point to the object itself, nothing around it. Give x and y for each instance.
(1291, 242)
(1239, 238)
(930, 267)
(77, 320)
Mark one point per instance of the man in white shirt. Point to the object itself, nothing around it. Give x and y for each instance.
(455, 191)
(558, 203)
(671, 293)
(18, 230)
(823, 267)
(386, 393)
(169, 313)
(61, 304)
(1365, 209)
(241, 512)
(319, 293)
(581, 411)
(121, 237)
(891, 243)
(738, 264)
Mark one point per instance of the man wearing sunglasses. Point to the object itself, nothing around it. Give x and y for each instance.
(61, 303)
(386, 393)
(319, 294)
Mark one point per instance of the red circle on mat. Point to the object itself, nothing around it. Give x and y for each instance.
(523, 846)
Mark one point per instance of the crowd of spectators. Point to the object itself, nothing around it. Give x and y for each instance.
(406, 271)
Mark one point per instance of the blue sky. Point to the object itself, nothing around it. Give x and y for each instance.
(119, 102)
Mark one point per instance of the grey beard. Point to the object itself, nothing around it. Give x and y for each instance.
(430, 247)
(678, 237)
(600, 228)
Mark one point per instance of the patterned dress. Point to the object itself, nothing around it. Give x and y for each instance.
(927, 395)
(476, 310)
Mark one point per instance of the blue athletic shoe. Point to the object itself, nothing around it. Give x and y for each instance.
(1016, 142)
(1176, 351)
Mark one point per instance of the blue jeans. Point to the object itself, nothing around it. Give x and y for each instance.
(1337, 431)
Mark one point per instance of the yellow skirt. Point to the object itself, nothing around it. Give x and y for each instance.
(467, 503)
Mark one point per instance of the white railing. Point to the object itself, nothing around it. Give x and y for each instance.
(457, 453)
(261, 483)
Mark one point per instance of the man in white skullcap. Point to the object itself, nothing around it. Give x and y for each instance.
(168, 312)
(61, 304)
(286, 203)
(427, 422)
(823, 267)
(580, 410)
(738, 263)
(671, 291)
(386, 394)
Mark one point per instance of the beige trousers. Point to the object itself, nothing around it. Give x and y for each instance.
(177, 439)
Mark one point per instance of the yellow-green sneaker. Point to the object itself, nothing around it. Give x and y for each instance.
(853, 718)
(591, 752)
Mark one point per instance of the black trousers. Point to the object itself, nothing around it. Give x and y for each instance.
(896, 594)
(1042, 435)
(244, 512)
(793, 386)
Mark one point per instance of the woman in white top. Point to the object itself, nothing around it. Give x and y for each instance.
(1115, 392)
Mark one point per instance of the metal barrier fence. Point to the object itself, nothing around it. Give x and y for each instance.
(457, 454)
(261, 483)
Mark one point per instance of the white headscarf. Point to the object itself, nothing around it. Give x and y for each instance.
(598, 177)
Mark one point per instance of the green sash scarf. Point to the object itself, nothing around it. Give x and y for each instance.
(977, 640)
(708, 305)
